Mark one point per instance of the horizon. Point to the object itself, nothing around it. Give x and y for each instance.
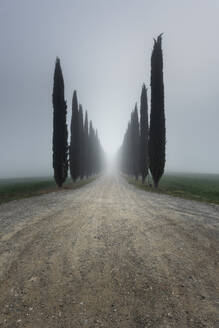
(51, 176)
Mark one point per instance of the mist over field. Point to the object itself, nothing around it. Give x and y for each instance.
(105, 50)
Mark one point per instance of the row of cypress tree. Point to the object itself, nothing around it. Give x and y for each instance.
(84, 156)
(143, 147)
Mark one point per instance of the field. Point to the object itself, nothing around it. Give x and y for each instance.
(201, 187)
(11, 189)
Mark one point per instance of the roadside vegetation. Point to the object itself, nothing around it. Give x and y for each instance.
(13, 189)
(201, 187)
(84, 156)
(144, 144)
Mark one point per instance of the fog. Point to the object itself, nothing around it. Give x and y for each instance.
(105, 49)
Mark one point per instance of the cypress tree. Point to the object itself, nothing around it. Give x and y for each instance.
(144, 134)
(91, 149)
(125, 158)
(157, 135)
(86, 146)
(96, 151)
(75, 140)
(129, 155)
(97, 167)
(135, 142)
(81, 141)
(132, 145)
(60, 132)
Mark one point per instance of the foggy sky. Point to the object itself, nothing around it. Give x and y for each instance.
(105, 48)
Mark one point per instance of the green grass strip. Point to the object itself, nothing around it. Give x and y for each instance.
(13, 189)
(201, 187)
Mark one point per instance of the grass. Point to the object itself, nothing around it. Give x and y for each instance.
(13, 189)
(201, 187)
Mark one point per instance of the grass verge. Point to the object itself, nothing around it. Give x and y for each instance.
(13, 189)
(201, 187)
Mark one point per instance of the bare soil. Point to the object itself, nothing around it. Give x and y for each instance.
(108, 255)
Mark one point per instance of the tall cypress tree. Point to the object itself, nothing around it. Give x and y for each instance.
(86, 146)
(135, 142)
(144, 134)
(126, 155)
(97, 154)
(81, 141)
(60, 132)
(132, 145)
(157, 139)
(91, 149)
(75, 140)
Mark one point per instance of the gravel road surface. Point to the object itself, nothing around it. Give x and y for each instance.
(108, 255)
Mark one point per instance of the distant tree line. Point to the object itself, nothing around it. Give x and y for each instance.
(84, 156)
(143, 147)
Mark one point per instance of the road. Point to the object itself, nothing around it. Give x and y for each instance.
(108, 255)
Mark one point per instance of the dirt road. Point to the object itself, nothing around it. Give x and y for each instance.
(108, 255)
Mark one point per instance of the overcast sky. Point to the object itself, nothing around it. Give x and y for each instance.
(105, 48)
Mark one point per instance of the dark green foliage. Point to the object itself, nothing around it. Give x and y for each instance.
(144, 159)
(81, 142)
(91, 149)
(86, 156)
(99, 155)
(74, 153)
(129, 152)
(135, 142)
(124, 154)
(60, 132)
(93, 158)
(145, 149)
(157, 135)
(86, 146)
(95, 152)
